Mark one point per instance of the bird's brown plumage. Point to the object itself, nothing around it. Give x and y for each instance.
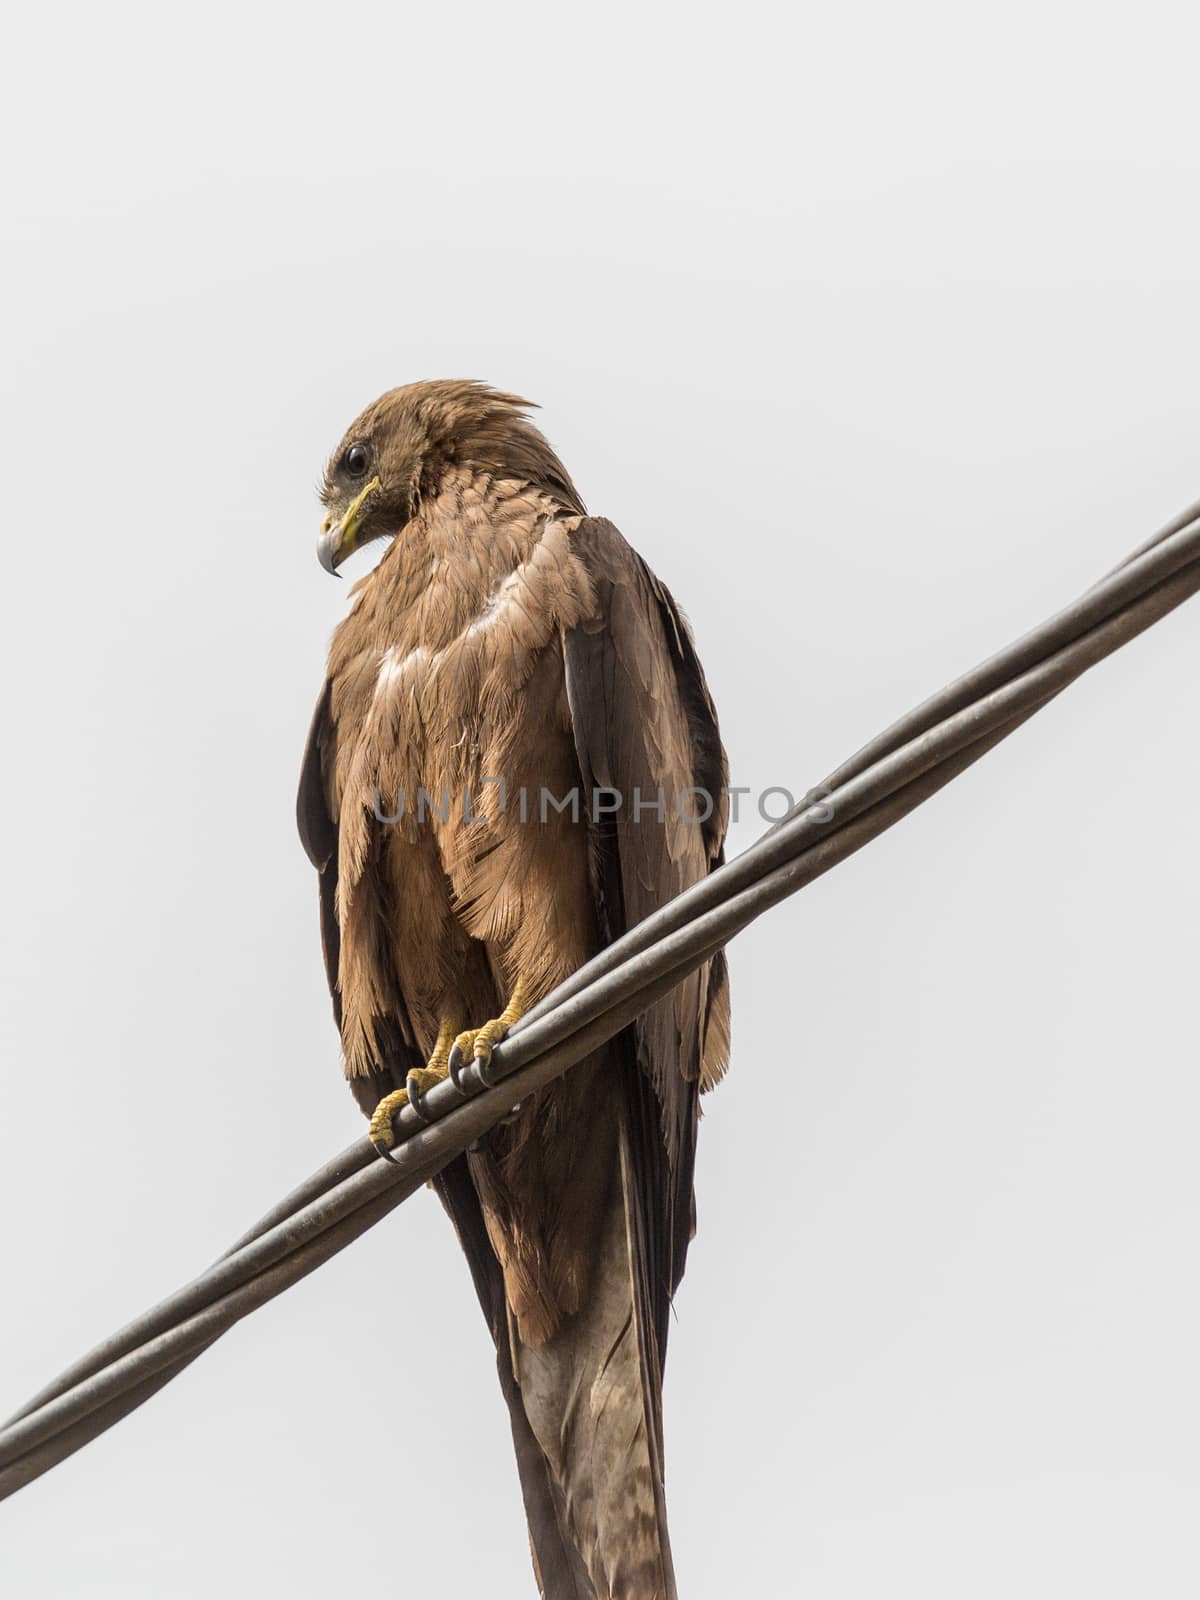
(506, 634)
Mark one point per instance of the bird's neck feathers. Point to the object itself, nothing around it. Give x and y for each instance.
(468, 424)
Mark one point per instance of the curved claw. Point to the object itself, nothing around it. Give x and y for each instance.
(383, 1150)
(381, 1132)
(483, 1066)
(416, 1098)
(481, 1060)
(454, 1065)
(481, 1042)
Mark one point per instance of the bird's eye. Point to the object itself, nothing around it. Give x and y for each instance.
(356, 460)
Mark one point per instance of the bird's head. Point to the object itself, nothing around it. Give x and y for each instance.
(372, 479)
(395, 452)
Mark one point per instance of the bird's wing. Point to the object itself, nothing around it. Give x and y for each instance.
(559, 1566)
(319, 836)
(644, 722)
(318, 829)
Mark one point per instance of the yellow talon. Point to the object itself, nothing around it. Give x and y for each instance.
(381, 1133)
(425, 1078)
(477, 1043)
(439, 1060)
(487, 1038)
(465, 1042)
(480, 1042)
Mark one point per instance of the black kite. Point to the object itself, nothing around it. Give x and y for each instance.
(505, 634)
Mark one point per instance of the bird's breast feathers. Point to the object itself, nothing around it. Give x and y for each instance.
(451, 648)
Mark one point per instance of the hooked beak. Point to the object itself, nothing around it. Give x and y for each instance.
(340, 539)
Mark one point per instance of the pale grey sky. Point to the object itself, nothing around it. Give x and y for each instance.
(876, 330)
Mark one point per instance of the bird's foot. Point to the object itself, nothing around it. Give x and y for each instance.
(477, 1044)
(418, 1083)
(381, 1133)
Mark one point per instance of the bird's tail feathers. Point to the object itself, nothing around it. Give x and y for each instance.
(592, 1399)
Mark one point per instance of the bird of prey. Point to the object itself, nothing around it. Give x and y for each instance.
(506, 635)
